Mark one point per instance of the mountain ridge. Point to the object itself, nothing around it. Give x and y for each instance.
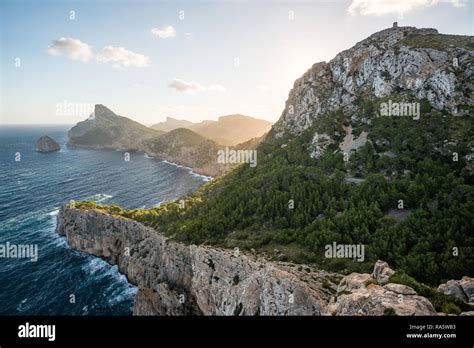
(229, 130)
(106, 130)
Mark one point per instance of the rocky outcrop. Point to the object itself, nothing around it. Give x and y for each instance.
(382, 272)
(378, 66)
(47, 144)
(364, 294)
(178, 279)
(399, 62)
(462, 289)
(106, 130)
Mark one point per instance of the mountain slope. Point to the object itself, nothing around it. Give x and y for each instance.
(104, 129)
(334, 170)
(170, 124)
(188, 148)
(232, 129)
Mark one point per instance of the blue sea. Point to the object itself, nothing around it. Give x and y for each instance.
(34, 185)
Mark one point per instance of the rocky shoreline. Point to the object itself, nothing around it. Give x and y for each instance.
(178, 279)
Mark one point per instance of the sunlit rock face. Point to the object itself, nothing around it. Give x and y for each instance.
(178, 279)
(376, 67)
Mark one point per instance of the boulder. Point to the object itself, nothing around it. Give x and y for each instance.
(382, 272)
(461, 289)
(365, 296)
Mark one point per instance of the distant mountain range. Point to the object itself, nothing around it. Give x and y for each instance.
(227, 130)
(172, 141)
(170, 124)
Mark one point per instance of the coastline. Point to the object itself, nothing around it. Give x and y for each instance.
(207, 174)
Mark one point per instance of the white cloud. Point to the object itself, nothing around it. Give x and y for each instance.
(165, 33)
(185, 87)
(122, 58)
(263, 88)
(382, 7)
(194, 87)
(74, 49)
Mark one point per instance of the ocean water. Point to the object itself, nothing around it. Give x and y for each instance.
(31, 192)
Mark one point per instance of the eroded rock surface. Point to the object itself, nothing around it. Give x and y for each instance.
(364, 294)
(179, 279)
(462, 289)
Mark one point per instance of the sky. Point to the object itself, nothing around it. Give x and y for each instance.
(190, 60)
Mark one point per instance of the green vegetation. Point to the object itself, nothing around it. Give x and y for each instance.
(438, 41)
(389, 312)
(96, 136)
(251, 207)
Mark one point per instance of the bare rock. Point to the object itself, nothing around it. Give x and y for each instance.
(353, 281)
(176, 279)
(364, 295)
(461, 289)
(400, 289)
(382, 272)
(47, 144)
(376, 300)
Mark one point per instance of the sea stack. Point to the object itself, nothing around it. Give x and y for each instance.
(47, 144)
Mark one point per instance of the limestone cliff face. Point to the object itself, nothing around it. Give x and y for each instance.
(388, 61)
(178, 279)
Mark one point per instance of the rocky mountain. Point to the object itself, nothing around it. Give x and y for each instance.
(228, 130)
(170, 124)
(232, 129)
(105, 129)
(47, 144)
(395, 62)
(187, 148)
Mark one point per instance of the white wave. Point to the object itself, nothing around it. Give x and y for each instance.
(100, 197)
(120, 295)
(202, 177)
(147, 156)
(85, 309)
(54, 212)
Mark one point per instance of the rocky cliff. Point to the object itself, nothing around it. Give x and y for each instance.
(178, 279)
(419, 62)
